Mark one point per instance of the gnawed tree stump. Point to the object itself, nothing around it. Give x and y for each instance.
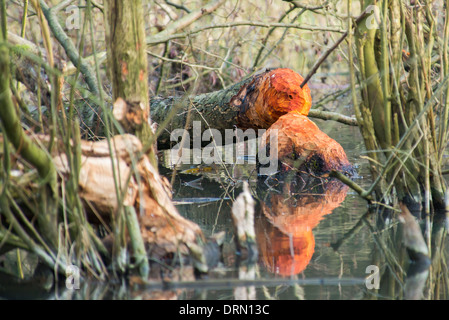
(163, 229)
(302, 146)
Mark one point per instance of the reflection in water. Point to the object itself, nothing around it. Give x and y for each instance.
(284, 227)
(407, 269)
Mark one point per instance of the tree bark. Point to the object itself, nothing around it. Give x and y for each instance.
(163, 231)
(127, 61)
(127, 69)
(211, 109)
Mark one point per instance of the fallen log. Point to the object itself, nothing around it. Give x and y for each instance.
(231, 108)
(211, 109)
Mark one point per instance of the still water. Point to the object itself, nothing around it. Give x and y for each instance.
(316, 243)
(301, 234)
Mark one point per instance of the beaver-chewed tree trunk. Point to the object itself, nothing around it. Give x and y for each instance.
(226, 109)
(127, 62)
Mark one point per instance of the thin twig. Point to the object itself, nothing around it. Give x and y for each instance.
(63, 4)
(328, 52)
(180, 61)
(280, 39)
(187, 20)
(265, 40)
(297, 4)
(177, 6)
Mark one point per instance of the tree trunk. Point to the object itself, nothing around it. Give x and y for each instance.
(127, 69)
(127, 61)
(163, 231)
(400, 112)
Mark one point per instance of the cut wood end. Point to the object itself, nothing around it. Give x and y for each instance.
(270, 95)
(298, 142)
(130, 114)
(119, 109)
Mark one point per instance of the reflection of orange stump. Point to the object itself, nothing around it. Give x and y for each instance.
(302, 145)
(284, 232)
(284, 254)
(270, 95)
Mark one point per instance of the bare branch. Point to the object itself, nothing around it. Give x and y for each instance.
(69, 48)
(185, 21)
(328, 52)
(298, 4)
(327, 115)
(177, 6)
(161, 39)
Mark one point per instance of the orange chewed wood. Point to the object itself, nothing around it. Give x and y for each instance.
(303, 146)
(270, 95)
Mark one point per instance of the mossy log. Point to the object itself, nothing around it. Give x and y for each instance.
(211, 109)
(221, 110)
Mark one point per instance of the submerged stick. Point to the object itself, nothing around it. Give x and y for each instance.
(362, 192)
(243, 218)
(418, 252)
(413, 238)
